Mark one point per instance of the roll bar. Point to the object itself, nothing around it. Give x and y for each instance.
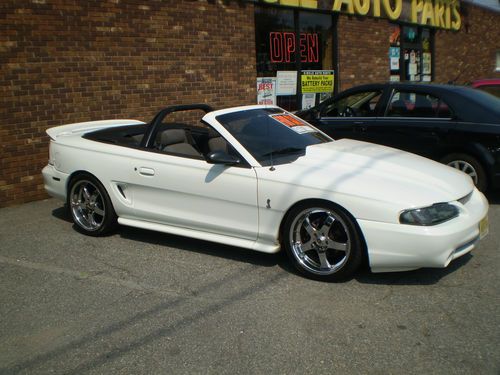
(160, 116)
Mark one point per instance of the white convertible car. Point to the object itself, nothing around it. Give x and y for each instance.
(259, 177)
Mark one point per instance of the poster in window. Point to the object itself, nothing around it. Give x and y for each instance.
(317, 81)
(394, 63)
(412, 69)
(308, 100)
(286, 82)
(266, 90)
(394, 54)
(426, 60)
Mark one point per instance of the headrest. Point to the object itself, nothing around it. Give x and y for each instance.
(212, 133)
(173, 136)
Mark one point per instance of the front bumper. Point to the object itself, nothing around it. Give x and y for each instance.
(55, 182)
(398, 247)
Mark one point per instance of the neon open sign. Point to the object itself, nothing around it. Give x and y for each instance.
(282, 47)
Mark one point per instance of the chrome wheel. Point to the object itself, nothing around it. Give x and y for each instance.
(87, 205)
(465, 167)
(320, 241)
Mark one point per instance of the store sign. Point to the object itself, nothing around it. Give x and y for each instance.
(266, 90)
(286, 82)
(282, 47)
(316, 81)
(444, 14)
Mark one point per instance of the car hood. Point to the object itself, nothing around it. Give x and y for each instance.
(376, 172)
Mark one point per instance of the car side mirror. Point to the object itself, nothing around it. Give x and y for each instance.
(221, 157)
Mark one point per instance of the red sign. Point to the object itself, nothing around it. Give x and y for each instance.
(282, 47)
(289, 120)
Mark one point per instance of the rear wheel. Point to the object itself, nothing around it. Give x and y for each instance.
(90, 206)
(322, 241)
(469, 165)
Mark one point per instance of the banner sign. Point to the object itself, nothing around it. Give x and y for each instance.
(266, 90)
(317, 81)
(286, 82)
(443, 14)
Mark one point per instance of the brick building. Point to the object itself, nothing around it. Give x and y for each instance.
(65, 61)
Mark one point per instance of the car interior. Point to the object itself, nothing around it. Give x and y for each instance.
(173, 138)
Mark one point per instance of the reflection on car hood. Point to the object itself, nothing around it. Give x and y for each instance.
(376, 172)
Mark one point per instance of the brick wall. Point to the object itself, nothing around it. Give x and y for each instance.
(469, 54)
(363, 45)
(66, 61)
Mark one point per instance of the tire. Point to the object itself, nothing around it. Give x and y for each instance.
(90, 206)
(470, 166)
(322, 241)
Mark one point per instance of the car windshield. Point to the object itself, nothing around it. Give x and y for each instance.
(272, 135)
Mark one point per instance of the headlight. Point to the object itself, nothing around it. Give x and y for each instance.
(432, 215)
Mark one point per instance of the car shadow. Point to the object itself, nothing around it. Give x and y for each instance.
(62, 213)
(425, 276)
(189, 244)
(201, 247)
(422, 276)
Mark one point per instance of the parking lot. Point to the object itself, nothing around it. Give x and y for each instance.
(140, 302)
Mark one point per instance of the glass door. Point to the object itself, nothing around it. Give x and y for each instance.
(416, 56)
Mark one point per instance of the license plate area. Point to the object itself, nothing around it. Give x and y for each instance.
(483, 227)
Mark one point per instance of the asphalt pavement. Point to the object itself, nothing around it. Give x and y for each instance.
(140, 302)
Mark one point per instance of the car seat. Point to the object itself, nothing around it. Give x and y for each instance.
(176, 141)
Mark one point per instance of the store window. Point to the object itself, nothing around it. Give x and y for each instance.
(295, 64)
(410, 54)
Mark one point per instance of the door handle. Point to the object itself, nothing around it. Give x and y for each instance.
(146, 171)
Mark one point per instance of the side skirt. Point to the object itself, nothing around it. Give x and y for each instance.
(264, 247)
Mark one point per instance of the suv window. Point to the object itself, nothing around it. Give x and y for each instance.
(412, 104)
(360, 104)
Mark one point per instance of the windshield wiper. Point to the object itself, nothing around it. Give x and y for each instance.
(286, 150)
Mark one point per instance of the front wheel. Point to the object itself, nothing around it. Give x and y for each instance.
(469, 165)
(90, 206)
(323, 242)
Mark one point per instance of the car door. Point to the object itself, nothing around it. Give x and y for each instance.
(414, 121)
(185, 191)
(351, 115)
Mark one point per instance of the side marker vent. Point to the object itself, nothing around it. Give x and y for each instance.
(120, 189)
(465, 199)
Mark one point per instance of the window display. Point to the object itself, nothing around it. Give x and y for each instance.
(410, 54)
(296, 48)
